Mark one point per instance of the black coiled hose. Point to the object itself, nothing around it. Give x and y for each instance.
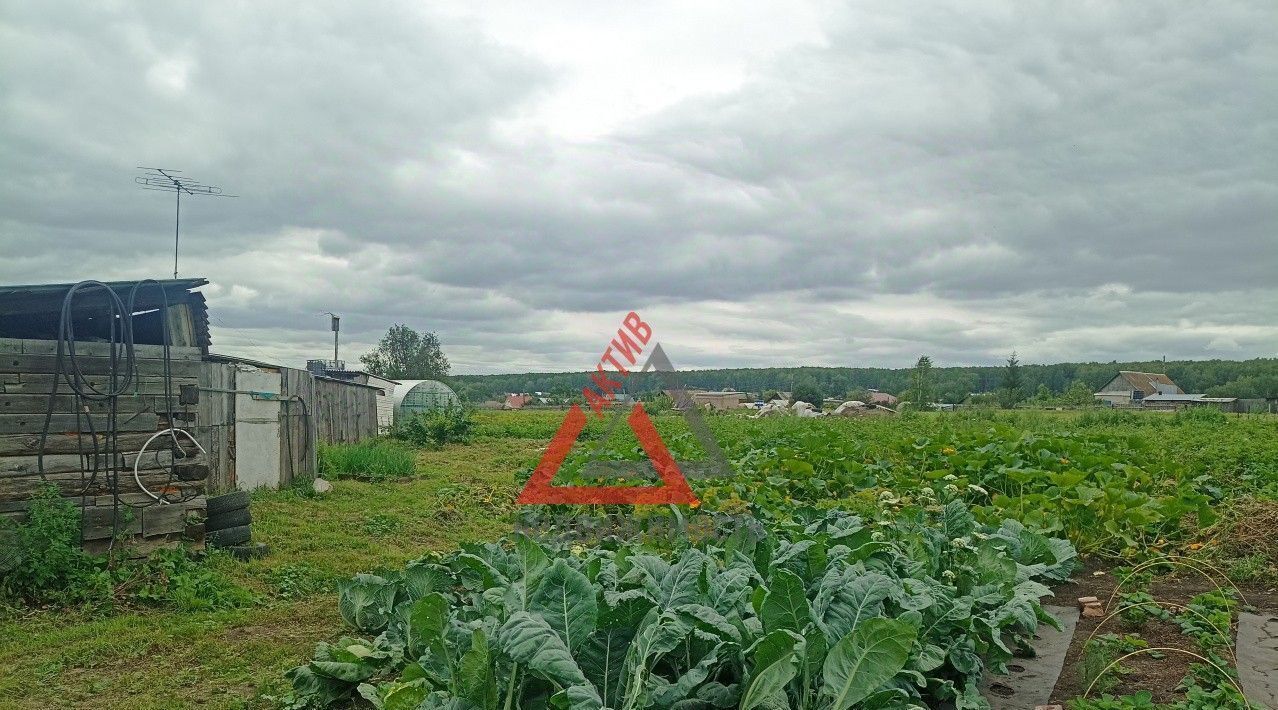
(122, 376)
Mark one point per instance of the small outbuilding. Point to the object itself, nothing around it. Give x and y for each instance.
(1181, 401)
(110, 396)
(336, 370)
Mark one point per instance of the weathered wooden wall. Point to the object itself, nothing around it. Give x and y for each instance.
(311, 410)
(27, 370)
(298, 426)
(344, 413)
(215, 424)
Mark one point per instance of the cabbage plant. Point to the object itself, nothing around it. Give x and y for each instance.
(832, 612)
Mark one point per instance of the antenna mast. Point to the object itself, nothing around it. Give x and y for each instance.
(168, 180)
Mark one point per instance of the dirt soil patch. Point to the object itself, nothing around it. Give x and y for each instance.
(1160, 676)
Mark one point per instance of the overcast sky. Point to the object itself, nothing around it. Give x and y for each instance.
(767, 183)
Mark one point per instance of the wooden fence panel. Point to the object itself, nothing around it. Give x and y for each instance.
(298, 426)
(215, 424)
(347, 413)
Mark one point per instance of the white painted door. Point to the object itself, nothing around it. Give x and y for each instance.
(257, 429)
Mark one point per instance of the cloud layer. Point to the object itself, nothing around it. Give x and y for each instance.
(825, 184)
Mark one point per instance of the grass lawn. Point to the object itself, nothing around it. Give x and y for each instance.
(153, 659)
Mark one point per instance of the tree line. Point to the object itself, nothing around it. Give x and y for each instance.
(1218, 378)
(407, 354)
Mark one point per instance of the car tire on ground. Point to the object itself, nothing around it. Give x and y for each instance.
(218, 505)
(229, 536)
(230, 519)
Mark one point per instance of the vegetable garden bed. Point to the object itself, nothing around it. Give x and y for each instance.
(828, 612)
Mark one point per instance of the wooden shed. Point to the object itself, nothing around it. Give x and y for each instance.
(258, 424)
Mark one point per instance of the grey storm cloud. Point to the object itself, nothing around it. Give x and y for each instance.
(1076, 181)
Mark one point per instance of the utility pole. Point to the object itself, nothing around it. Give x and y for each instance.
(168, 180)
(335, 324)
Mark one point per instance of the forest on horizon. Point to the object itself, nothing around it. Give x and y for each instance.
(1257, 377)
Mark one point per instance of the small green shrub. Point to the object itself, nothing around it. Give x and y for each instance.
(298, 581)
(1103, 650)
(1252, 568)
(659, 404)
(175, 579)
(372, 460)
(1202, 415)
(382, 524)
(447, 425)
(1144, 700)
(43, 562)
(45, 565)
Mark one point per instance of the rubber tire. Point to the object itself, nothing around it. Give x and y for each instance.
(253, 551)
(218, 505)
(229, 537)
(231, 519)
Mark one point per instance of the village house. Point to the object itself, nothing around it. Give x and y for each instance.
(1129, 388)
(718, 401)
(1150, 390)
(882, 398)
(516, 400)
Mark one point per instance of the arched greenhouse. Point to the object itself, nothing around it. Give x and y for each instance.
(414, 396)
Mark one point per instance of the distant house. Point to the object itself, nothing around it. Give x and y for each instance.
(517, 401)
(883, 398)
(1131, 388)
(726, 399)
(717, 400)
(1180, 401)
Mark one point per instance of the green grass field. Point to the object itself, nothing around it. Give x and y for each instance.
(460, 493)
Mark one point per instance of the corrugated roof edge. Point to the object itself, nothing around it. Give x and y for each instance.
(186, 284)
(236, 359)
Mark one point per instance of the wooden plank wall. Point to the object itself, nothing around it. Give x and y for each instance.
(27, 376)
(312, 410)
(299, 430)
(215, 427)
(345, 413)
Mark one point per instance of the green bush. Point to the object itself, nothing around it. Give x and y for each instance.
(807, 390)
(174, 579)
(659, 404)
(447, 425)
(1203, 415)
(372, 460)
(41, 562)
(41, 559)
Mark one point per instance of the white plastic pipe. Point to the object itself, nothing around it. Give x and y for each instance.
(138, 459)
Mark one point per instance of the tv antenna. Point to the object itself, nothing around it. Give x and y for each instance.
(168, 180)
